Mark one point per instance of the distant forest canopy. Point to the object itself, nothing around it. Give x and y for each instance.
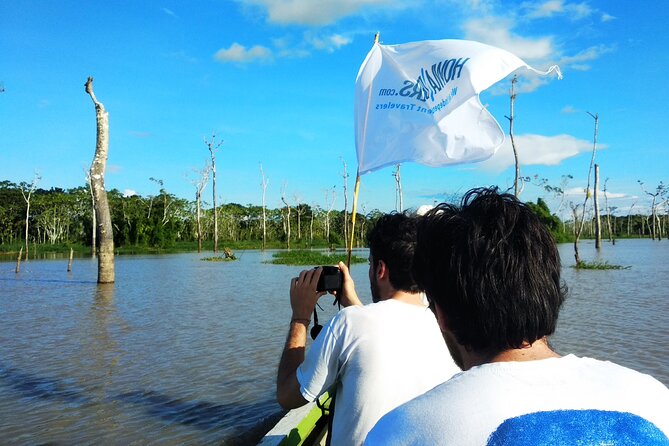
(64, 217)
(59, 216)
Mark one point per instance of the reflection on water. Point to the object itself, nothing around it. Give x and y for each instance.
(177, 351)
(180, 351)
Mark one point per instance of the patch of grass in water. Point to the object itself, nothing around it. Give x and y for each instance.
(218, 259)
(311, 258)
(598, 265)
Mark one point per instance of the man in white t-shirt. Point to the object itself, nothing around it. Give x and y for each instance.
(377, 356)
(491, 272)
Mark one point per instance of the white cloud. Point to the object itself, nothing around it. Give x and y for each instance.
(496, 31)
(288, 47)
(607, 17)
(552, 8)
(311, 12)
(240, 54)
(537, 150)
(576, 62)
(169, 12)
(568, 109)
(327, 43)
(129, 193)
(579, 192)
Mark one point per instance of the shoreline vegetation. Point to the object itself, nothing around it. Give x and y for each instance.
(55, 221)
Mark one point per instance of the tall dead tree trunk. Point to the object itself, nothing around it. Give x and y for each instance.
(283, 198)
(513, 142)
(579, 230)
(608, 214)
(263, 184)
(200, 183)
(345, 178)
(598, 221)
(399, 205)
(26, 198)
(105, 233)
(213, 148)
(330, 206)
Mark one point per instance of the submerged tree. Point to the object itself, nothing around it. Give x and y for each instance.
(286, 216)
(344, 176)
(105, 233)
(29, 189)
(512, 95)
(213, 148)
(263, 184)
(398, 189)
(598, 220)
(200, 183)
(659, 192)
(578, 228)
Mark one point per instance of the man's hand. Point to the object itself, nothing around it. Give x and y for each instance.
(348, 295)
(303, 294)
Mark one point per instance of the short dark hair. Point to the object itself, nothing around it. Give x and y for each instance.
(493, 269)
(393, 240)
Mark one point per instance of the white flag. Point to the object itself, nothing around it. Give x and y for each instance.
(420, 102)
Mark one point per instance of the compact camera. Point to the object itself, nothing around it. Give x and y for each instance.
(331, 279)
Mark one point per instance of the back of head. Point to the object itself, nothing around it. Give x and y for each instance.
(393, 240)
(493, 269)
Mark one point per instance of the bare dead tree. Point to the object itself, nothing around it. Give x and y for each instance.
(598, 221)
(27, 192)
(608, 212)
(200, 183)
(659, 192)
(629, 219)
(213, 148)
(105, 235)
(18, 261)
(344, 176)
(299, 210)
(579, 228)
(287, 225)
(512, 95)
(311, 226)
(329, 205)
(263, 184)
(399, 206)
(167, 202)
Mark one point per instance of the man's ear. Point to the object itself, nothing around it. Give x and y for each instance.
(381, 270)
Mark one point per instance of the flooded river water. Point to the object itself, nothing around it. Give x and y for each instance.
(183, 351)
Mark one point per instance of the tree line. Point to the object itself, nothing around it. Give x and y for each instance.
(65, 217)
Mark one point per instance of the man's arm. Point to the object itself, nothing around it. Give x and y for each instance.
(287, 387)
(303, 298)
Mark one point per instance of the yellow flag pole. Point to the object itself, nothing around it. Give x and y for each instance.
(355, 211)
(357, 179)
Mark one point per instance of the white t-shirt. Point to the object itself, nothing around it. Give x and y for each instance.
(379, 356)
(556, 401)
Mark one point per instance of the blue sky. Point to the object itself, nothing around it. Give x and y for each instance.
(275, 79)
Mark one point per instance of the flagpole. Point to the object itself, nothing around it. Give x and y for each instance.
(355, 211)
(357, 177)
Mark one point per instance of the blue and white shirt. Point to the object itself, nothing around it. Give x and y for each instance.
(556, 401)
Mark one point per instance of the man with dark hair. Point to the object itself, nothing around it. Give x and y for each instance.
(378, 356)
(491, 272)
